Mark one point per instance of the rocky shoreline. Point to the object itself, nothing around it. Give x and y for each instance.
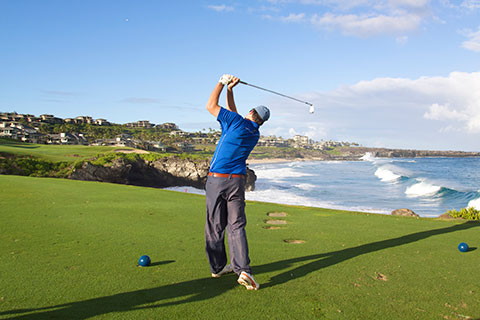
(162, 173)
(175, 171)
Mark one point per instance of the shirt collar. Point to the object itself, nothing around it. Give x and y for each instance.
(255, 125)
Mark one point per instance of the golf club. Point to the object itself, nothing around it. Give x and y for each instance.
(312, 109)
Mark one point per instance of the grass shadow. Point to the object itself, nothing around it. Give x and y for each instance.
(159, 263)
(23, 147)
(207, 288)
(324, 260)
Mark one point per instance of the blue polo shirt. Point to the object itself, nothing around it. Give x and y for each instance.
(239, 137)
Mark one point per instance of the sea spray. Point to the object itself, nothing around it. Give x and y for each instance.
(368, 156)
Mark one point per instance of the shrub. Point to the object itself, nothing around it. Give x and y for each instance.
(466, 213)
(30, 166)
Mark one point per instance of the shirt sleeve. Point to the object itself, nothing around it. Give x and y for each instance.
(227, 117)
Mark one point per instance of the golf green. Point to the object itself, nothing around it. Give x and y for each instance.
(69, 250)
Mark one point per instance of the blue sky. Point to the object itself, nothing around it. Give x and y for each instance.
(387, 73)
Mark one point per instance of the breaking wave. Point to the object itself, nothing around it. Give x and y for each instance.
(475, 203)
(426, 189)
(422, 189)
(387, 175)
(418, 186)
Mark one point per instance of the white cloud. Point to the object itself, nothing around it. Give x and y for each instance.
(428, 112)
(473, 43)
(409, 3)
(453, 98)
(362, 18)
(292, 17)
(292, 132)
(221, 8)
(312, 130)
(443, 112)
(471, 4)
(367, 25)
(464, 5)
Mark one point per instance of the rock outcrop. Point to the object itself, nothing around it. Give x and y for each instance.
(404, 212)
(162, 173)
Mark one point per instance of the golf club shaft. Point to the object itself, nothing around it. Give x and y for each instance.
(280, 94)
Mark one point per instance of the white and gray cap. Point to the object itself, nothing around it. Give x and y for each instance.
(263, 112)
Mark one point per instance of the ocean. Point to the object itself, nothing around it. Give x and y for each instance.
(428, 186)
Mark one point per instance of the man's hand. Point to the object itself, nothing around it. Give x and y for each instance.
(226, 79)
(233, 83)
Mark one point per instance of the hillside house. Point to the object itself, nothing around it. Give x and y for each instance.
(66, 138)
(49, 118)
(7, 131)
(140, 124)
(185, 147)
(155, 146)
(272, 141)
(101, 122)
(168, 126)
(301, 139)
(84, 119)
(19, 131)
(177, 133)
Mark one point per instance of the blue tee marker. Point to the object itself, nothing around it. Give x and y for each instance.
(463, 247)
(144, 261)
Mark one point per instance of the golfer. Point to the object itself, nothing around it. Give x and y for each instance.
(225, 188)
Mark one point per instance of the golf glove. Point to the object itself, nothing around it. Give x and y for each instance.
(225, 79)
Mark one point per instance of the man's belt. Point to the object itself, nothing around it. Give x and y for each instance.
(225, 175)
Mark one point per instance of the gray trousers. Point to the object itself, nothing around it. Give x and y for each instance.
(225, 199)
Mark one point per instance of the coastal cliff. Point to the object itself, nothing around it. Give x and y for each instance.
(161, 173)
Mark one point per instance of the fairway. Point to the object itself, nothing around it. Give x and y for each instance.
(67, 153)
(69, 249)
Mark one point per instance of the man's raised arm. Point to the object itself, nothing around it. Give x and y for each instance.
(212, 104)
(230, 101)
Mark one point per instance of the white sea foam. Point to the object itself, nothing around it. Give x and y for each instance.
(405, 160)
(305, 186)
(368, 156)
(474, 203)
(422, 189)
(286, 197)
(281, 173)
(295, 164)
(386, 175)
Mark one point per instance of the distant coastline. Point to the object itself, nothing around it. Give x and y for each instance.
(358, 153)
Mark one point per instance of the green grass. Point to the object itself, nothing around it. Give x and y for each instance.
(68, 250)
(55, 153)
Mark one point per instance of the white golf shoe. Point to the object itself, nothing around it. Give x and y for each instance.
(247, 280)
(227, 269)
